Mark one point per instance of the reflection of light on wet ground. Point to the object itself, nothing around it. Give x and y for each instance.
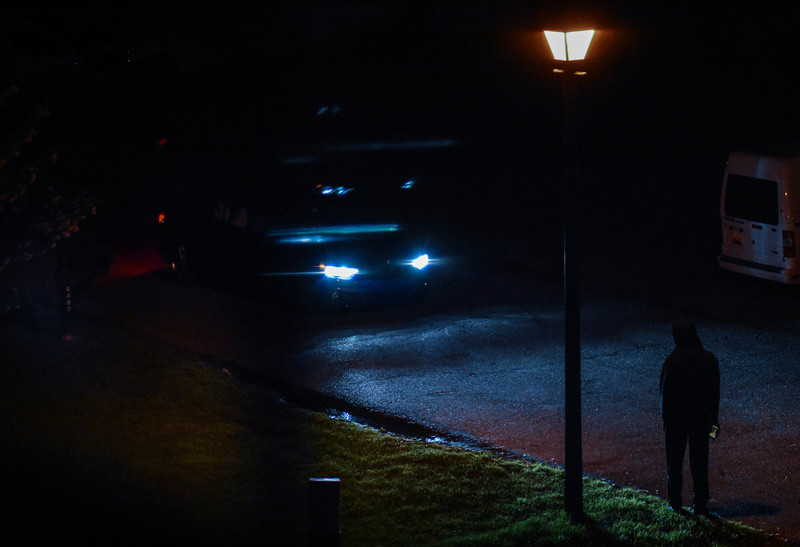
(438, 338)
(442, 369)
(341, 415)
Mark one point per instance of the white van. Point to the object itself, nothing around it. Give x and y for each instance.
(760, 213)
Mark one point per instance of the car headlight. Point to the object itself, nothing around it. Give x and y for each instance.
(420, 262)
(340, 272)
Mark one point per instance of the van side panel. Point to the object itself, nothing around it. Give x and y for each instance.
(758, 210)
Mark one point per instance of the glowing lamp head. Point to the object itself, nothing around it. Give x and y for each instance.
(569, 46)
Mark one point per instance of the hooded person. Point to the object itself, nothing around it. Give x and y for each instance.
(689, 388)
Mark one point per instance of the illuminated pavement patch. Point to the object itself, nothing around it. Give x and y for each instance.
(497, 376)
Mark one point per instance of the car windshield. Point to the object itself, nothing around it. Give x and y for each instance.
(341, 189)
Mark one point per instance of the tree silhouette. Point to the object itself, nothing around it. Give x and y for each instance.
(37, 210)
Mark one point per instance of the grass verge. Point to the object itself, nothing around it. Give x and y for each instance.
(119, 440)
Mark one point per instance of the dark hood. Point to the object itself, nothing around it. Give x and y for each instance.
(685, 334)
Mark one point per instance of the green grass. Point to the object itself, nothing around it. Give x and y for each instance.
(151, 446)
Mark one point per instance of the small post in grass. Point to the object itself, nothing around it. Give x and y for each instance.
(323, 512)
(64, 270)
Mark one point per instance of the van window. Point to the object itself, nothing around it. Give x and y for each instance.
(752, 199)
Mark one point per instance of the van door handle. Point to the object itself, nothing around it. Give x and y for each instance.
(757, 227)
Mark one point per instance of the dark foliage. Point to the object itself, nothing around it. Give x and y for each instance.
(38, 211)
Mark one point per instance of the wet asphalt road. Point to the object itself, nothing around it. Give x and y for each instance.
(482, 359)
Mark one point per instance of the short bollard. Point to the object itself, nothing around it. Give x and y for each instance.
(323, 512)
(66, 314)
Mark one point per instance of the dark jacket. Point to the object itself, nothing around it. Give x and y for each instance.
(689, 383)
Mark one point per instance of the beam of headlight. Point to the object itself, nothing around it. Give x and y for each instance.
(420, 262)
(325, 234)
(306, 240)
(345, 229)
(340, 272)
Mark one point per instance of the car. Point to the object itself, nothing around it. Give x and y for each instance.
(345, 244)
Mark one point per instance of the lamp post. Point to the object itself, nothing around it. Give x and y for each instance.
(567, 47)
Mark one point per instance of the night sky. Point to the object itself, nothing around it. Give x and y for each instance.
(426, 68)
(227, 88)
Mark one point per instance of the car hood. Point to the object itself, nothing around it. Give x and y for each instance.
(370, 245)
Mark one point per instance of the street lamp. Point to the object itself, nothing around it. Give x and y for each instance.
(567, 47)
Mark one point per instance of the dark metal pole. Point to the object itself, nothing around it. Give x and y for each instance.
(323, 512)
(573, 450)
